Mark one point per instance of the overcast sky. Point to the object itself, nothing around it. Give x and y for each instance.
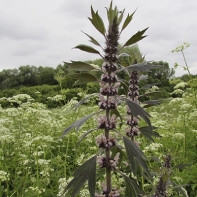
(43, 32)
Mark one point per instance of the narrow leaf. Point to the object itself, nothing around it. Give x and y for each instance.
(136, 111)
(97, 21)
(121, 17)
(150, 93)
(83, 78)
(77, 124)
(135, 38)
(86, 171)
(133, 151)
(149, 85)
(79, 66)
(86, 133)
(92, 178)
(148, 132)
(87, 48)
(143, 77)
(84, 100)
(151, 103)
(127, 20)
(92, 39)
(132, 188)
(143, 67)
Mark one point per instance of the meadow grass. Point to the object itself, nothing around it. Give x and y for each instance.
(33, 162)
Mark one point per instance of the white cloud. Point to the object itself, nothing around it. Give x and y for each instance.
(43, 32)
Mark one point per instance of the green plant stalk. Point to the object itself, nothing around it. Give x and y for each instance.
(185, 136)
(65, 169)
(195, 96)
(107, 153)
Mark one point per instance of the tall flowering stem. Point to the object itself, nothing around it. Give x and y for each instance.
(109, 90)
(133, 95)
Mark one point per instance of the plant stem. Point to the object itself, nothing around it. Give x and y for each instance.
(107, 152)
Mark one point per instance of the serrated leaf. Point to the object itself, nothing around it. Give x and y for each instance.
(151, 103)
(137, 111)
(143, 77)
(127, 20)
(84, 100)
(179, 189)
(132, 188)
(87, 48)
(85, 134)
(133, 151)
(121, 17)
(136, 37)
(83, 78)
(77, 124)
(143, 67)
(149, 85)
(97, 21)
(92, 179)
(148, 132)
(79, 66)
(150, 93)
(94, 41)
(86, 171)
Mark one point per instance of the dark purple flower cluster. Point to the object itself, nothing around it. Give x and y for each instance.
(113, 193)
(109, 163)
(133, 95)
(108, 89)
(104, 123)
(103, 142)
(109, 103)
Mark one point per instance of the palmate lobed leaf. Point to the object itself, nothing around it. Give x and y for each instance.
(86, 171)
(133, 152)
(79, 66)
(148, 132)
(136, 37)
(97, 21)
(78, 124)
(127, 20)
(84, 100)
(83, 78)
(87, 48)
(145, 66)
(94, 41)
(137, 111)
(132, 188)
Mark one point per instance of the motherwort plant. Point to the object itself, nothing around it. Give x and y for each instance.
(108, 113)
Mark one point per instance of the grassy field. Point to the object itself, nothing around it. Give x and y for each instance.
(33, 162)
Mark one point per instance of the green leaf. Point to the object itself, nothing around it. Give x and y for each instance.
(150, 93)
(179, 189)
(143, 67)
(148, 132)
(87, 48)
(83, 100)
(97, 21)
(79, 66)
(132, 188)
(121, 17)
(135, 38)
(133, 151)
(127, 20)
(92, 39)
(86, 133)
(83, 78)
(136, 111)
(77, 124)
(86, 171)
(151, 103)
